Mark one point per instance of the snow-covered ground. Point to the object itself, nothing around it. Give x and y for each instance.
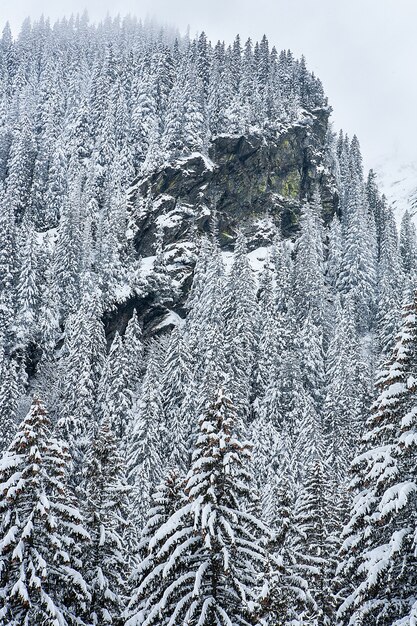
(257, 259)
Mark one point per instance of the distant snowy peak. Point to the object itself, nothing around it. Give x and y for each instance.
(398, 181)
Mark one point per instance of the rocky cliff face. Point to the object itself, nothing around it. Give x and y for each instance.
(251, 181)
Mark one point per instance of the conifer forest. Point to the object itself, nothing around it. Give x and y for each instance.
(208, 341)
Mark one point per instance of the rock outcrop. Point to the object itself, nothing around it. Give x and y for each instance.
(245, 178)
(252, 182)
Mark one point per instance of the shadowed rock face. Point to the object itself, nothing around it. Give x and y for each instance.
(246, 178)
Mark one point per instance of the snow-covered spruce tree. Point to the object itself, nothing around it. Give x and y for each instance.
(309, 287)
(172, 139)
(265, 435)
(159, 280)
(377, 205)
(56, 185)
(27, 292)
(313, 544)
(274, 340)
(8, 258)
(7, 280)
(201, 295)
(133, 352)
(167, 498)
(311, 541)
(194, 126)
(341, 408)
(204, 560)
(49, 327)
(284, 272)
(408, 246)
(84, 352)
(390, 283)
(144, 115)
(218, 96)
(196, 290)
(205, 332)
(309, 347)
(307, 431)
(21, 163)
(285, 593)
(42, 531)
(9, 397)
(358, 268)
(335, 252)
(378, 569)
(115, 398)
(68, 252)
(241, 314)
(107, 512)
(111, 272)
(145, 440)
(176, 385)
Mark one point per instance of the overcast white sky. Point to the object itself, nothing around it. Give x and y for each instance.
(364, 51)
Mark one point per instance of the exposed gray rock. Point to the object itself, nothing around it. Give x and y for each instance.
(248, 177)
(245, 180)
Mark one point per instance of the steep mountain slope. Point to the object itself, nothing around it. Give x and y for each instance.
(191, 259)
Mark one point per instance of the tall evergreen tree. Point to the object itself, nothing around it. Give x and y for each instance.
(379, 541)
(177, 384)
(408, 245)
(358, 271)
(28, 285)
(145, 442)
(341, 409)
(42, 531)
(207, 553)
(166, 500)
(107, 512)
(8, 266)
(309, 268)
(391, 284)
(84, 345)
(285, 595)
(134, 352)
(115, 397)
(9, 397)
(241, 314)
(312, 545)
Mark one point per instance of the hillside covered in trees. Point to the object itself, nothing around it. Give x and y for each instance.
(208, 342)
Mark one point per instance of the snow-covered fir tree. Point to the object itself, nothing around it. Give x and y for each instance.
(203, 561)
(379, 541)
(107, 518)
(43, 533)
(146, 439)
